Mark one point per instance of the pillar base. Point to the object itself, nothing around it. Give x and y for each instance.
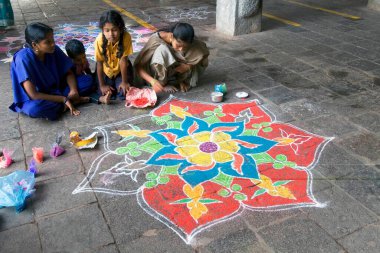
(238, 17)
(374, 5)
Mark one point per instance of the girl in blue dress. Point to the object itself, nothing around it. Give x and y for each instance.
(43, 83)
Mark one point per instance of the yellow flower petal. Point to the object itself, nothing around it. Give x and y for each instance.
(220, 136)
(187, 151)
(229, 146)
(185, 141)
(284, 140)
(222, 157)
(179, 112)
(202, 159)
(198, 211)
(202, 137)
(195, 192)
(137, 133)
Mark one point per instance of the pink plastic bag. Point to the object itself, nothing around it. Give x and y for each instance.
(140, 98)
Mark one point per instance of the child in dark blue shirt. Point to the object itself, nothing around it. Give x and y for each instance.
(81, 68)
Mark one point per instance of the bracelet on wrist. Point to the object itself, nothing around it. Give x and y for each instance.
(153, 82)
(65, 100)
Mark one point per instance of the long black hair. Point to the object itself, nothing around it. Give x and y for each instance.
(181, 31)
(35, 32)
(114, 18)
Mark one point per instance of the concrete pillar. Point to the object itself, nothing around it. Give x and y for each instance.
(237, 17)
(374, 4)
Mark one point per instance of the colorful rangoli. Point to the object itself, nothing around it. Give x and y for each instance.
(65, 32)
(192, 165)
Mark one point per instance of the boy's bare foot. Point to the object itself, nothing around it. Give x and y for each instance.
(170, 89)
(184, 87)
(105, 99)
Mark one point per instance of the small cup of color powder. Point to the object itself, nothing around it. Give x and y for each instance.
(216, 96)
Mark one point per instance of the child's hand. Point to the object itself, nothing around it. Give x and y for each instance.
(123, 88)
(105, 89)
(73, 95)
(157, 86)
(182, 68)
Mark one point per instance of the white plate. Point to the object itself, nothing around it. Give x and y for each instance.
(241, 94)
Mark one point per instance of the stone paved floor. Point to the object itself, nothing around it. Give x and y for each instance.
(323, 77)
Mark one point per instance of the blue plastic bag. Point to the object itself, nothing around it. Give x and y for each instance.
(15, 188)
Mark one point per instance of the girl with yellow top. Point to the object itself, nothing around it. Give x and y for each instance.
(112, 48)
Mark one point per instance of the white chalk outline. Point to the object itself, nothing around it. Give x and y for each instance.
(187, 238)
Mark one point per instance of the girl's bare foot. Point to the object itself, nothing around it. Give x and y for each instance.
(184, 87)
(170, 89)
(105, 99)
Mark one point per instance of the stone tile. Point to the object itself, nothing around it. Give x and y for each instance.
(8, 115)
(164, 240)
(344, 88)
(67, 164)
(347, 74)
(279, 95)
(372, 83)
(225, 62)
(277, 113)
(366, 145)
(369, 121)
(20, 239)
(366, 191)
(298, 234)
(333, 154)
(345, 106)
(45, 140)
(278, 57)
(241, 73)
(348, 172)
(78, 230)
(28, 124)
(256, 61)
(261, 219)
(273, 71)
(106, 249)
(89, 113)
(316, 93)
(307, 56)
(365, 240)
(127, 220)
(321, 49)
(260, 82)
(342, 215)
(9, 218)
(243, 240)
(329, 125)
(364, 65)
(45, 201)
(317, 76)
(10, 130)
(342, 56)
(303, 109)
(296, 66)
(239, 52)
(368, 100)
